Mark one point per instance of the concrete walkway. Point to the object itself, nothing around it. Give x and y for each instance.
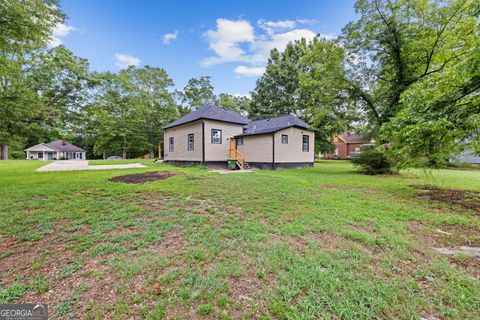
(70, 165)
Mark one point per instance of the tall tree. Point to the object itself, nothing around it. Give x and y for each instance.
(150, 90)
(276, 92)
(440, 115)
(196, 93)
(25, 27)
(307, 79)
(397, 44)
(112, 118)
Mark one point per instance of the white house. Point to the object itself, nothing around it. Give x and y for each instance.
(55, 150)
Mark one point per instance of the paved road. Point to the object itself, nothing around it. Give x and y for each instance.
(69, 165)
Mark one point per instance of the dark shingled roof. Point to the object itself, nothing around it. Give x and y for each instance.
(64, 146)
(273, 125)
(352, 138)
(210, 112)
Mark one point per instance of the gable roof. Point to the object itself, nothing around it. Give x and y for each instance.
(64, 146)
(40, 148)
(57, 145)
(352, 138)
(273, 125)
(210, 112)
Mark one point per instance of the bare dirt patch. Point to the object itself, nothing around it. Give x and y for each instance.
(247, 293)
(144, 177)
(449, 239)
(464, 198)
(172, 244)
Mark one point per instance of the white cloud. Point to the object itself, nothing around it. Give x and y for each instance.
(307, 21)
(272, 27)
(126, 60)
(237, 41)
(249, 71)
(168, 37)
(226, 39)
(262, 47)
(61, 30)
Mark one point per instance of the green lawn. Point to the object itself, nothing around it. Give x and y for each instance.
(322, 242)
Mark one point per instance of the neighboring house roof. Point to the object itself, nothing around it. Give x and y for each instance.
(57, 145)
(273, 125)
(62, 145)
(40, 148)
(210, 112)
(352, 138)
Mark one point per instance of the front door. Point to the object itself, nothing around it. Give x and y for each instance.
(40, 155)
(233, 148)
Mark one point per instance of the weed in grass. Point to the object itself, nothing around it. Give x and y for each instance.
(205, 309)
(40, 284)
(12, 293)
(66, 307)
(158, 313)
(70, 269)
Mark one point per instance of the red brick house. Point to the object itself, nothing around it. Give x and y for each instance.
(345, 144)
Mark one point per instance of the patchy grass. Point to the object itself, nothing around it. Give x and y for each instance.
(322, 242)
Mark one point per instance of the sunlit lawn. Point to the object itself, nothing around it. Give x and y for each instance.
(322, 242)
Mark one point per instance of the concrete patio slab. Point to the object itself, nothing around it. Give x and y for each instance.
(73, 165)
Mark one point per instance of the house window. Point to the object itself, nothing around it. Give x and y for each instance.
(239, 141)
(190, 142)
(170, 144)
(306, 143)
(357, 149)
(284, 138)
(216, 136)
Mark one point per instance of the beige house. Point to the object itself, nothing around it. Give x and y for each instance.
(212, 136)
(55, 150)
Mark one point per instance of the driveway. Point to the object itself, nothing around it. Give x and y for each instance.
(70, 165)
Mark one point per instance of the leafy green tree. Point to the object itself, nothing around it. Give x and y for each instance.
(307, 79)
(396, 44)
(238, 104)
(25, 27)
(324, 91)
(276, 92)
(129, 110)
(440, 116)
(195, 94)
(150, 91)
(111, 117)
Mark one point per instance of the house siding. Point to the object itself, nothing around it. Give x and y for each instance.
(257, 149)
(180, 136)
(219, 152)
(291, 152)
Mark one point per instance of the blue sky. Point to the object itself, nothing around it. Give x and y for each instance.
(227, 40)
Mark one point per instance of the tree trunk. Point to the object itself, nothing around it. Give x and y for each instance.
(124, 153)
(4, 152)
(151, 154)
(104, 155)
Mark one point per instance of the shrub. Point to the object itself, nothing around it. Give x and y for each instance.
(373, 162)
